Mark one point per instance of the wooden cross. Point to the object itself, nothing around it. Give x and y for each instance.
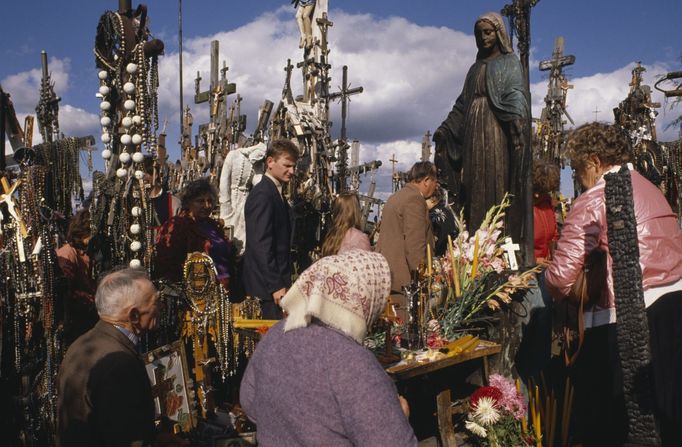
(426, 146)
(13, 209)
(393, 162)
(596, 112)
(161, 387)
(518, 13)
(558, 60)
(510, 249)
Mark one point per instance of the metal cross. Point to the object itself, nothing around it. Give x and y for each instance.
(596, 112)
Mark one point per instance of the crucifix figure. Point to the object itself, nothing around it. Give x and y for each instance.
(344, 96)
(13, 210)
(160, 388)
(510, 249)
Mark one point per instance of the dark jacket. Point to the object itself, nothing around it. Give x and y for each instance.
(267, 259)
(104, 394)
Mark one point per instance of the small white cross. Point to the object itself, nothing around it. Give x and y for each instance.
(510, 249)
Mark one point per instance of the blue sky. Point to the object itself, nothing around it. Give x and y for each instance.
(410, 56)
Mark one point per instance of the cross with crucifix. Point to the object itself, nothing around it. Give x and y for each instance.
(555, 102)
(160, 388)
(510, 249)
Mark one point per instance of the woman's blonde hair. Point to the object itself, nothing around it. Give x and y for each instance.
(345, 215)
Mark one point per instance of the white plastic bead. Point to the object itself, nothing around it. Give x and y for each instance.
(105, 121)
(105, 105)
(139, 174)
(120, 172)
(135, 229)
(105, 138)
(126, 139)
(104, 89)
(135, 263)
(136, 211)
(138, 157)
(137, 119)
(137, 138)
(131, 68)
(129, 104)
(124, 157)
(106, 154)
(135, 245)
(102, 75)
(129, 87)
(127, 122)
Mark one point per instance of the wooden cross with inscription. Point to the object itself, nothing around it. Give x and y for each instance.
(161, 387)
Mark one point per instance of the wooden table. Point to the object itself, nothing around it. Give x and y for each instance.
(445, 409)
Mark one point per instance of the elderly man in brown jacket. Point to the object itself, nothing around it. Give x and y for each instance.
(406, 229)
(105, 398)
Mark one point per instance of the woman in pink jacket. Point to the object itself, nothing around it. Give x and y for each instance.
(344, 233)
(623, 394)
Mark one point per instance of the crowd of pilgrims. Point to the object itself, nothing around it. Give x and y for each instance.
(310, 381)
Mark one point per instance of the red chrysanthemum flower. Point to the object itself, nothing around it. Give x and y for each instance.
(485, 391)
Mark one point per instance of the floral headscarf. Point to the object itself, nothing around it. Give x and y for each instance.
(497, 21)
(347, 291)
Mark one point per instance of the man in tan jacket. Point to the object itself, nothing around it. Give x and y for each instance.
(406, 229)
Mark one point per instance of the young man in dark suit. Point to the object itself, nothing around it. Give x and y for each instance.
(267, 259)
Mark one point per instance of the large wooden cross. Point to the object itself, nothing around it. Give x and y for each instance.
(161, 387)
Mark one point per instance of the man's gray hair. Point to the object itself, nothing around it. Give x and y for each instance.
(118, 290)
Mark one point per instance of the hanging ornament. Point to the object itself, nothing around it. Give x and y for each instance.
(106, 138)
(135, 229)
(135, 263)
(105, 105)
(129, 104)
(136, 211)
(139, 174)
(137, 138)
(124, 157)
(104, 90)
(137, 156)
(126, 139)
(129, 88)
(102, 75)
(135, 246)
(121, 172)
(106, 154)
(127, 122)
(105, 121)
(131, 68)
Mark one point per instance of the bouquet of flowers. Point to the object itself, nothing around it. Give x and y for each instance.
(497, 415)
(474, 273)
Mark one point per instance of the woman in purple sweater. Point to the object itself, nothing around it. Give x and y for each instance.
(310, 382)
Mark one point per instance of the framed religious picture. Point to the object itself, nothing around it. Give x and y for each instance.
(171, 385)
